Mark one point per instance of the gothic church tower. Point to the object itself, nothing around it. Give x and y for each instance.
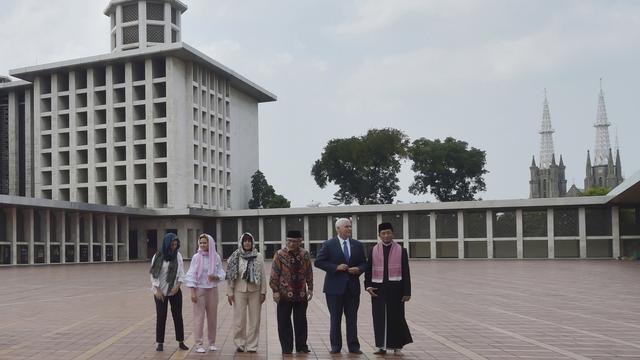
(548, 179)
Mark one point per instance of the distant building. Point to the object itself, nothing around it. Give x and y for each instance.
(547, 178)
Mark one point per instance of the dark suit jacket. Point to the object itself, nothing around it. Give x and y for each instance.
(328, 259)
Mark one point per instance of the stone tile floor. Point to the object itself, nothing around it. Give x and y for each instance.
(461, 309)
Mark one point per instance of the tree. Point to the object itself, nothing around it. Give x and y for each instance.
(596, 191)
(447, 169)
(263, 194)
(365, 168)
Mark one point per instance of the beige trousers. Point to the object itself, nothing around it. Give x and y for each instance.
(246, 329)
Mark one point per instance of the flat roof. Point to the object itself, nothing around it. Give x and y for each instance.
(14, 84)
(180, 50)
(113, 3)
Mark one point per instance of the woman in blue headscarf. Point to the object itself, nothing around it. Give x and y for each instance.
(167, 274)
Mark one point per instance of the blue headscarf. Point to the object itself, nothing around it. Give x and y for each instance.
(166, 246)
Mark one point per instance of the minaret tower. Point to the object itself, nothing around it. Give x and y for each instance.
(547, 179)
(138, 24)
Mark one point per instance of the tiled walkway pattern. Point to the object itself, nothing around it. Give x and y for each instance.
(459, 310)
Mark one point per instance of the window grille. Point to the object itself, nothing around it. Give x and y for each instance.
(155, 33)
(130, 34)
(130, 13)
(155, 11)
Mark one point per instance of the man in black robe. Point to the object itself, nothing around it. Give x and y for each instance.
(388, 281)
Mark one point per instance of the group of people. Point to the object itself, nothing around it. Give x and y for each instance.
(386, 279)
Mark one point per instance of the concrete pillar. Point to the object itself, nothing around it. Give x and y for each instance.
(125, 235)
(460, 234)
(330, 226)
(45, 224)
(11, 216)
(102, 238)
(240, 229)
(405, 232)
(432, 234)
(489, 220)
(550, 234)
(615, 231)
(28, 143)
(88, 229)
(14, 154)
(305, 232)
(75, 235)
(114, 235)
(60, 233)
(219, 234)
(354, 227)
(519, 234)
(29, 232)
(261, 233)
(582, 232)
(283, 231)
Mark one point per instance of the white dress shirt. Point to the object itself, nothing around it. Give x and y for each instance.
(161, 281)
(203, 282)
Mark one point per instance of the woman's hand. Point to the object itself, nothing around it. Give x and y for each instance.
(213, 277)
(194, 295)
(231, 299)
(174, 290)
(263, 297)
(159, 295)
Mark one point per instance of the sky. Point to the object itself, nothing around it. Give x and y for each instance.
(473, 70)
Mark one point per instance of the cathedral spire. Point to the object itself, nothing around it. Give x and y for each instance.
(602, 124)
(546, 135)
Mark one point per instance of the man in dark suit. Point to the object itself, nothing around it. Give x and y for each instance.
(343, 260)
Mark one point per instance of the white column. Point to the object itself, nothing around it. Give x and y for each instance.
(283, 230)
(615, 231)
(519, 234)
(261, 233)
(45, 225)
(102, 238)
(354, 227)
(582, 232)
(125, 233)
(60, 233)
(75, 236)
(29, 232)
(219, 234)
(113, 234)
(240, 229)
(88, 229)
(460, 234)
(28, 143)
(305, 233)
(405, 232)
(489, 220)
(329, 226)
(550, 234)
(11, 217)
(432, 234)
(12, 133)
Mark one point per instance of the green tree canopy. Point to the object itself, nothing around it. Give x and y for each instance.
(263, 195)
(447, 169)
(365, 168)
(596, 191)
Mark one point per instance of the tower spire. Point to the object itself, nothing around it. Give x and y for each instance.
(546, 135)
(602, 124)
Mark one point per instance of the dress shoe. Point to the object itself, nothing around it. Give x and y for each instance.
(239, 349)
(159, 347)
(182, 346)
(286, 352)
(305, 350)
(380, 352)
(334, 352)
(355, 351)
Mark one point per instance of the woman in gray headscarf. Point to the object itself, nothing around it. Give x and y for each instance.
(246, 291)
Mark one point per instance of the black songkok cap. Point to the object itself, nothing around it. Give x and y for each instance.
(385, 226)
(294, 234)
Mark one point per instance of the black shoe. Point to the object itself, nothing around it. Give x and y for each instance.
(239, 349)
(305, 350)
(334, 352)
(355, 351)
(251, 351)
(286, 352)
(380, 352)
(159, 347)
(182, 346)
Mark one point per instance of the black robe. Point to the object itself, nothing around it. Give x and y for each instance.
(388, 305)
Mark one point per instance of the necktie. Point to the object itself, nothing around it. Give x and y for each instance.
(345, 249)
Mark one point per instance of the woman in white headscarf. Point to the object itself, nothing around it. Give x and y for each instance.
(246, 291)
(203, 276)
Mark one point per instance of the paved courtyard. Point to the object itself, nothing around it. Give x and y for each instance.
(488, 309)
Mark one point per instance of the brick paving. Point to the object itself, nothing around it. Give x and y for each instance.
(461, 309)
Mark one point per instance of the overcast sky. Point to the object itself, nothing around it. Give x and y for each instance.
(474, 70)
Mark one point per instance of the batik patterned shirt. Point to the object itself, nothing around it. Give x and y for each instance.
(292, 275)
